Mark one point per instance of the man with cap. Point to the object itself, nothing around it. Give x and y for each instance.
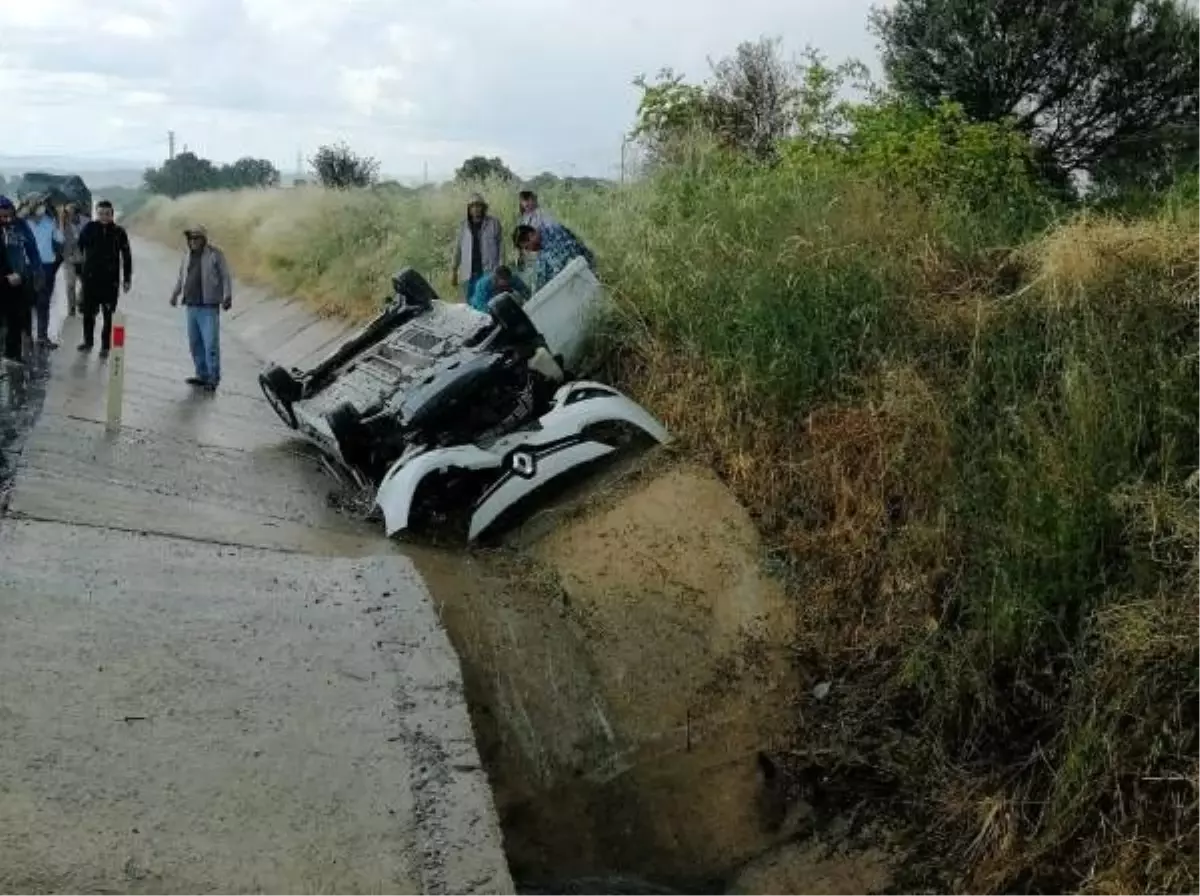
(479, 248)
(107, 270)
(206, 288)
(20, 278)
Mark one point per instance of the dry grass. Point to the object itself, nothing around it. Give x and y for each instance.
(979, 457)
(1088, 258)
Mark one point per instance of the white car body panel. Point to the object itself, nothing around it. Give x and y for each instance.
(512, 486)
(399, 486)
(566, 308)
(529, 457)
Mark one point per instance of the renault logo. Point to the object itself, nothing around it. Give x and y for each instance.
(523, 464)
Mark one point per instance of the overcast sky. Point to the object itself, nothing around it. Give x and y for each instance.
(544, 84)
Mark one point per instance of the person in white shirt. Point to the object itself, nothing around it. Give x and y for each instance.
(532, 215)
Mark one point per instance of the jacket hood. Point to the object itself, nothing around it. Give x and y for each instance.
(477, 199)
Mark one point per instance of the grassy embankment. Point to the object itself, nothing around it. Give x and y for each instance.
(977, 451)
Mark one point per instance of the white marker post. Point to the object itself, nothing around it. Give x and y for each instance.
(116, 373)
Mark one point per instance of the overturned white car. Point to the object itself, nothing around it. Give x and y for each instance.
(456, 415)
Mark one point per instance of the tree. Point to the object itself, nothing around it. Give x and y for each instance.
(478, 168)
(1093, 82)
(186, 173)
(340, 168)
(752, 101)
(752, 97)
(1150, 163)
(669, 114)
(247, 172)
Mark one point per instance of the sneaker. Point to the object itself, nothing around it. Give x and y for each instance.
(103, 353)
(194, 381)
(85, 346)
(210, 387)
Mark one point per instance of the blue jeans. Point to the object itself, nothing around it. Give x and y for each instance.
(204, 337)
(42, 305)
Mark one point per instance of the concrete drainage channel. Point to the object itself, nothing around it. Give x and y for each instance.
(625, 661)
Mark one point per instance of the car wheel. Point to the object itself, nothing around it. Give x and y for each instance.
(280, 389)
(414, 287)
(511, 317)
(353, 441)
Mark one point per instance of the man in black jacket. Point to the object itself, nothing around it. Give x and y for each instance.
(13, 308)
(107, 269)
(22, 272)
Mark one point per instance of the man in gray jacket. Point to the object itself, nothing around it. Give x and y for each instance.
(479, 248)
(72, 225)
(206, 287)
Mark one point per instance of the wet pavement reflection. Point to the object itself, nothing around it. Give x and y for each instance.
(22, 394)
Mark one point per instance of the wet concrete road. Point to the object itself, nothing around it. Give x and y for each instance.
(210, 680)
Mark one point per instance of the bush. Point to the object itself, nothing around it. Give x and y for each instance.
(338, 167)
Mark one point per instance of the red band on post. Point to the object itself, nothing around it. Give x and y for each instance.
(118, 337)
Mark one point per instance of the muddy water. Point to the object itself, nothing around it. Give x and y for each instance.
(625, 661)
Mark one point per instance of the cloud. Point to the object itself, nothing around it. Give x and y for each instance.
(128, 26)
(545, 84)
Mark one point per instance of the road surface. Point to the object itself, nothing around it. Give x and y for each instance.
(211, 681)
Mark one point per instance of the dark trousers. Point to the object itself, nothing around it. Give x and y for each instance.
(102, 298)
(17, 321)
(49, 275)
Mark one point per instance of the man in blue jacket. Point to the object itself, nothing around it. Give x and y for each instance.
(491, 285)
(22, 278)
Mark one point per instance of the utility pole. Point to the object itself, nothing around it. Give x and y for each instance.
(170, 145)
(426, 172)
(299, 165)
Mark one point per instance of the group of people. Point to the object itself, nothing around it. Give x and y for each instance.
(37, 241)
(478, 263)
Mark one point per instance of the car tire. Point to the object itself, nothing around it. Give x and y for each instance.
(281, 390)
(346, 425)
(508, 313)
(414, 287)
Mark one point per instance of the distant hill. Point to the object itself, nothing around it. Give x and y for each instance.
(112, 172)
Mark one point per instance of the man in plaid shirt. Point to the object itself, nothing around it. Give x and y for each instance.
(555, 246)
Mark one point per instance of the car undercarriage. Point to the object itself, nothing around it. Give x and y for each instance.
(452, 413)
